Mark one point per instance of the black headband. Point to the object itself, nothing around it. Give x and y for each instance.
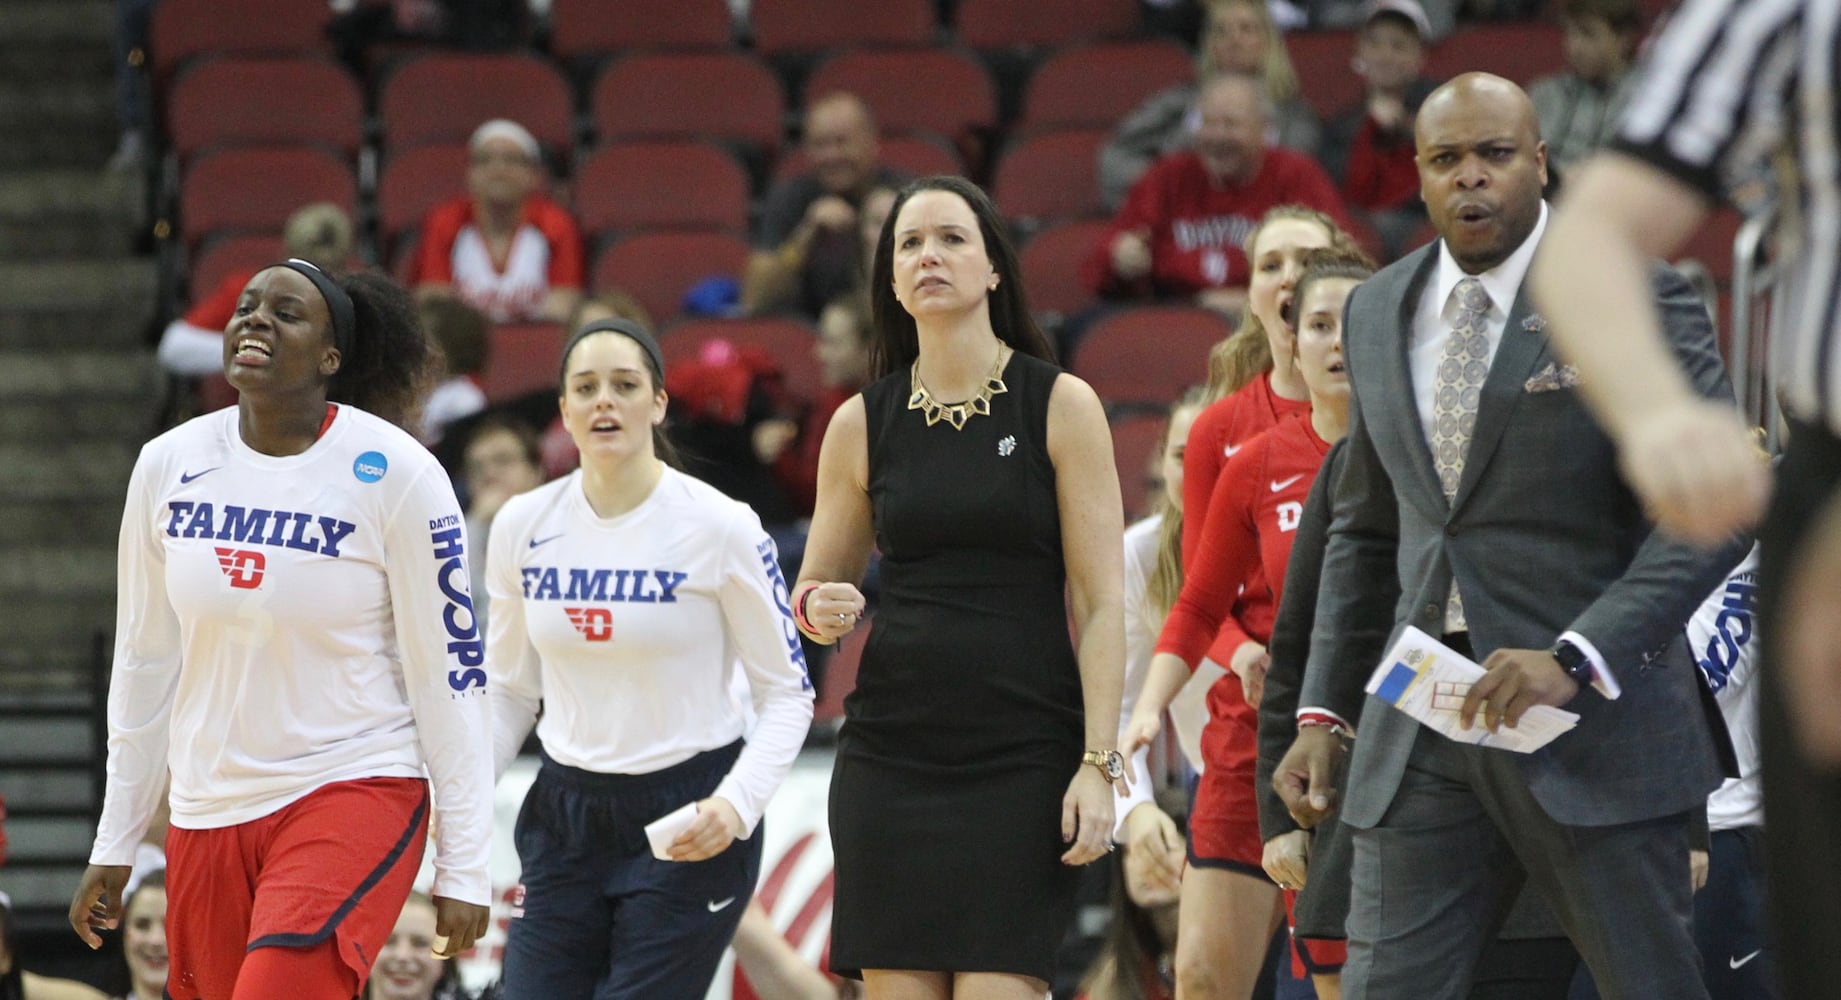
(626, 328)
(339, 304)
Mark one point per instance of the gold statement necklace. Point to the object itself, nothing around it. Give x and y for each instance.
(957, 414)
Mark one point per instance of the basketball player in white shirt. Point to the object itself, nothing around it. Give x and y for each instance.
(295, 642)
(626, 597)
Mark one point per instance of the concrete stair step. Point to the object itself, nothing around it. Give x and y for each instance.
(68, 60)
(41, 22)
(51, 739)
(77, 420)
(44, 790)
(48, 838)
(41, 892)
(51, 637)
(89, 469)
(24, 522)
(50, 375)
(100, 304)
(80, 569)
(47, 214)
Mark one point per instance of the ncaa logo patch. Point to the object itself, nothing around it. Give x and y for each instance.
(370, 466)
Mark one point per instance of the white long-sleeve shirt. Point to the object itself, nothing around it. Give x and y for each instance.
(286, 623)
(629, 631)
(1143, 623)
(1724, 637)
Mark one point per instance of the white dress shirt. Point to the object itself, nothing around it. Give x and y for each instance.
(1432, 323)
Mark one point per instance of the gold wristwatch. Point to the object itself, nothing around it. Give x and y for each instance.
(1111, 763)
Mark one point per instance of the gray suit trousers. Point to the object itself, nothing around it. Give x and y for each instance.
(1462, 835)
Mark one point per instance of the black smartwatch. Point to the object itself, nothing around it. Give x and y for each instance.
(1573, 660)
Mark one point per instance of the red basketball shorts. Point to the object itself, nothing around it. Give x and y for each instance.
(1224, 821)
(336, 864)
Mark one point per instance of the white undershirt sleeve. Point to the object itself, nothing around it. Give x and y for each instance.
(516, 690)
(444, 673)
(754, 599)
(145, 677)
(191, 350)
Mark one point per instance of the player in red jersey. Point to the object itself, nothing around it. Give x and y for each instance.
(1230, 907)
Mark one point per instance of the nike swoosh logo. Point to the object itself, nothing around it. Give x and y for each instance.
(1278, 484)
(544, 541)
(186, 477)
(1738, 962)
(715, 906)
(1230, 449)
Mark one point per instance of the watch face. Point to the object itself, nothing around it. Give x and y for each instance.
(1115, 764)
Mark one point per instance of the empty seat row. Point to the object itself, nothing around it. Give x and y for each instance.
(729, 96)
(186, 29)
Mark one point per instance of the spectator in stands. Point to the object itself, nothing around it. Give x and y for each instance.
(842, 354)
(193, 344)
(1579, 109)
(462, 333)
(503, 248)
(1239, 37)
(1137, 958)
(1180, 232)
(18, 984)
(502, 460)
(1368, 147)
(806, 251)
(407, 968)
(143, 938)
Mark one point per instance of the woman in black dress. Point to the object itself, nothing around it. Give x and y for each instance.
(960, 804)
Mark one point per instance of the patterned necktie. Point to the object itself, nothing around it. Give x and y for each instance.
(1461, 370)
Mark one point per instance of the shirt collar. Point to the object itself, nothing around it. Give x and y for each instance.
(1502, 282)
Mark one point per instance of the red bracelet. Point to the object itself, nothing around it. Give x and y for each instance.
(800, 619)
(1324, 720)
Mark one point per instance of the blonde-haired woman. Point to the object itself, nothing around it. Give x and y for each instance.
(1238, 36)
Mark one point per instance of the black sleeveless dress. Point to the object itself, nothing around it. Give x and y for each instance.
(966, 723)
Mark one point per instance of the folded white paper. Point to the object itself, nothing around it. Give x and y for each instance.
(1427, 680)
(662, 831)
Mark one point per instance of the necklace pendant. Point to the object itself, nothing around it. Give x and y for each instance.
(955, 415)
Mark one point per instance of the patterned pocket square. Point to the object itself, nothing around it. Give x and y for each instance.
(1552, 377)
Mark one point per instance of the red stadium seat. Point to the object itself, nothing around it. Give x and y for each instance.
(256, 189)
(443, 98)
(788, 341)
(1137, 440)
(1052, 175)
(182, 29)
(942, 91)
(661, 185)
(413, 182)
(583, 28)
(233, 255)
(1062, 93)
(914, 155)
(1711, 244)
(524, 358)
(995, 24)
(657, 268)
(1326, 76)
(717, 95)
(1051, 266)
(265, 101)
(789, 26)
(1147, 356)
(1521, 51)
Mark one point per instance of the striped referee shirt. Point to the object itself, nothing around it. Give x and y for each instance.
(1724, 89)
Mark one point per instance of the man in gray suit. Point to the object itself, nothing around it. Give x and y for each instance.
(1476, 475)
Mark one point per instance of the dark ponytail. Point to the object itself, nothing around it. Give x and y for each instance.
(392, 364)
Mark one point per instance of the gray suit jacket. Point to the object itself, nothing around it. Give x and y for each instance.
(1543, 536)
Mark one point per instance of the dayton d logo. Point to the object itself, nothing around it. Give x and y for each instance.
(595, 624)
(244, 567)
